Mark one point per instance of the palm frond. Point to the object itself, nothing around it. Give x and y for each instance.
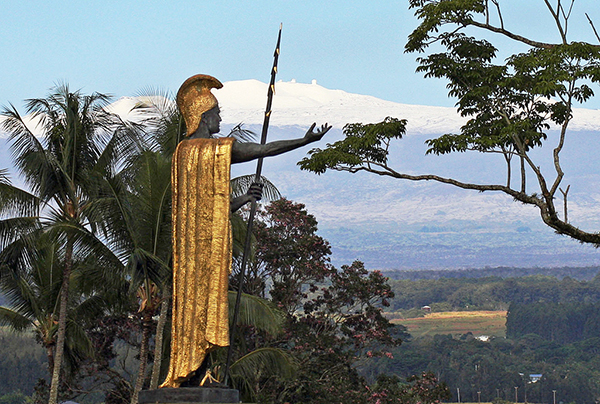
(15, 228)
(143, 265)
(4, 177)
(263, 362)
(15, 201)
(239, 133)
(164, 121)
(14, 320)
(257, 312)
(240, 185)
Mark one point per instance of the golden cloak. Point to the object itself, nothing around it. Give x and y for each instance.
(200, 175)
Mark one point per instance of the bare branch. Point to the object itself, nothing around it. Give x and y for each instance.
(559, 146)
(556, 17)
(499, 13)
(565, 202)
(593, 27)
(566, 15)
(556, 155)
(385, 170)
(508, 157)
(544, 204)
(523, 175)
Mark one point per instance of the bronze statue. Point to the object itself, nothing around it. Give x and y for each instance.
(201, 229)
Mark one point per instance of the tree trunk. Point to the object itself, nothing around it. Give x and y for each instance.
(158, 344)
(146, 327)
(50, 355)
(62, 324)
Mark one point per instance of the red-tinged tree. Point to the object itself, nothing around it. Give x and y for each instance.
(289, 253)
(420, 389)
(334, 315)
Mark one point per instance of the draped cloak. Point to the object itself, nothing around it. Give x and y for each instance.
(200, 175)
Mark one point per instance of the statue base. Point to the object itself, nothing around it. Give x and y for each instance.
(189, 395)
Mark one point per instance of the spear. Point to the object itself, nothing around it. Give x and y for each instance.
(257, 179)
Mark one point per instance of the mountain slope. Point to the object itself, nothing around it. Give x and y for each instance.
(397, 224)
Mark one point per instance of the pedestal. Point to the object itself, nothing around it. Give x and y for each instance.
(189, 395)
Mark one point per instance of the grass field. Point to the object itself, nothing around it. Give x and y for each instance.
(491, 323)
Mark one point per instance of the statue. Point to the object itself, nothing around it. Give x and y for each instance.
(201, 229)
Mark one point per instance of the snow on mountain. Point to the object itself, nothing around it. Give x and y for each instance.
(295, 104)
(298, 103)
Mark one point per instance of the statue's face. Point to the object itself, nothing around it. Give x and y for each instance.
(212, 119)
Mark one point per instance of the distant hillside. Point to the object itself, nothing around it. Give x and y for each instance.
(578, 273)
(395, 225)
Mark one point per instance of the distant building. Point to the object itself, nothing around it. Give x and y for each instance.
(426, 308)
(534, 377)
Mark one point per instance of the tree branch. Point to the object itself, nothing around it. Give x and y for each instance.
(499, 13)
(565, 201)
(511, 35)
(556, 17)
(544, 204)
(593, 27)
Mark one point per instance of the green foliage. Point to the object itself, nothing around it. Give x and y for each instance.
(434, 14)
(494, 368)
(333, 315)
(22, 362)
(15, 398)
(490, 293)
(561, 322)
(363, 144)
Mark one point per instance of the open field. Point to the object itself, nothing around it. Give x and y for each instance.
(491, 323)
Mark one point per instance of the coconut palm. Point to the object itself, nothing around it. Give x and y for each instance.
(32, 285)
(79, 142)
(137, 218)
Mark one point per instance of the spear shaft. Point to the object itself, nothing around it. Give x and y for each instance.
(257, 178)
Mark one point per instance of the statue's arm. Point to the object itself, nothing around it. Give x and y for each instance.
(242, 152)
(254, 193)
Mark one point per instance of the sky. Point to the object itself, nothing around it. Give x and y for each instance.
(125, 47)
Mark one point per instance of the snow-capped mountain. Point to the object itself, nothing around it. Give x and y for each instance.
(394, 224)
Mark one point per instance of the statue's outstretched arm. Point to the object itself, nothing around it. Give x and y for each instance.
(242, 152)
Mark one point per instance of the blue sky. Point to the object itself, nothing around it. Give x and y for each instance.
(122, 47)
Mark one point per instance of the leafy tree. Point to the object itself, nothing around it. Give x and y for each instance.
(289, 253)
(334, 315)
(15, 398)
(423, 388)
(510, 105)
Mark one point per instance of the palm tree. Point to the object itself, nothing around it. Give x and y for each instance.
(137, 216)
(32, 285)
(79, 143)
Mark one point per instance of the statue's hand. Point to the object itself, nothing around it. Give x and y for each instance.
(312, 136)
(255, 191)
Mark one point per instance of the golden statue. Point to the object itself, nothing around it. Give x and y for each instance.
(202, 204)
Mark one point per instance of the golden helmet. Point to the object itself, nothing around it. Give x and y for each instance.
(195, 98)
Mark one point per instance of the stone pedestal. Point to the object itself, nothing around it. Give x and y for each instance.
(189, 395)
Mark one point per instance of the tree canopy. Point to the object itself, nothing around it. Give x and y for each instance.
(510, 104)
